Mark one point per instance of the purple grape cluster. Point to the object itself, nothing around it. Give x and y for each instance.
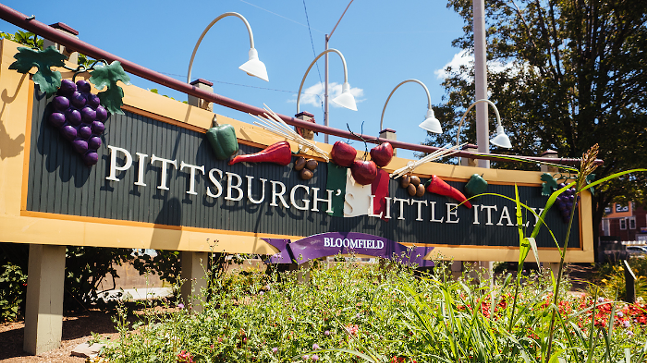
(79, 117)
(565, 202)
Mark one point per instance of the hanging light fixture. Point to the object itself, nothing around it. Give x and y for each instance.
(253, 67)
(430, 123)
(501, 139)
(345, 99)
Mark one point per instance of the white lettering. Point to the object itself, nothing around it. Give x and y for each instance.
(191, 175)
(505, 214)
(396, 200)
(539, 211)
(306, 202)
(346, 242)
(141, 163)
(128, 161)
(215, 182)
(371, 208)
(419, 203)
(275, 194)
(316, 200)
(476, 213)
(165, 163)
(433, 214)
(250, 179)
(387, 213)
(231, 186)
(452, 210)
(489, 213)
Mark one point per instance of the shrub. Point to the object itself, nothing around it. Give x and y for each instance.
(13, 283)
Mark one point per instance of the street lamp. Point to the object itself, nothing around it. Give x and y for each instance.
(430, 123)
(501, 139)
(253, 67)
(345, 99)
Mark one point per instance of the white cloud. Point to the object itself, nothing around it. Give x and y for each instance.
(314, 95)
(462, 58)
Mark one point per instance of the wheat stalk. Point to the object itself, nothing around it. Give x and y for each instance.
(412, 165)
(271, 122)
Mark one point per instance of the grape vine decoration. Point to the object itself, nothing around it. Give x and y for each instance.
(79, 117)
(77, 113)
(565, 202)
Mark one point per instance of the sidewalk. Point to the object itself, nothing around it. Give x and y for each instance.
(138, 294)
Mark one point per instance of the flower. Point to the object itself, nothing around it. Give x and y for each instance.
(314, 357)
(352, 329)
(626, 323)
(306, 357)
(275, 349)
(327, 332)
(315, 346)
(180, 305)
(630, 333)
(184, 357)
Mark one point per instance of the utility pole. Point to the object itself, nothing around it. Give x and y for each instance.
(480, 81)
(328, 36)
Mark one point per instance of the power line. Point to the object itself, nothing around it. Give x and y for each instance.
(314, 53)
(280, 16)
(305, 9)
(179, 76)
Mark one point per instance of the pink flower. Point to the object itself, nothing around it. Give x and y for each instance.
(352, 329)
(180, 305)
(275, 349)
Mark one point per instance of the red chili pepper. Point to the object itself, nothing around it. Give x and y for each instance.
(278, 153)
(439, 186)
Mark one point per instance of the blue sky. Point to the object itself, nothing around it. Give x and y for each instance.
(384, 43)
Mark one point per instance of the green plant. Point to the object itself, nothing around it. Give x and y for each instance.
(13, 288)
(612, 279)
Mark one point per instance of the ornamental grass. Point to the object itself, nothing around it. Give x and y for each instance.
(350, 312)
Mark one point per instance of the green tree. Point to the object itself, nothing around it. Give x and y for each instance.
(564, 74)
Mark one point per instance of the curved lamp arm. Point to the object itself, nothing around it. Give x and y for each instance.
(396, 87)
(343, 60)
(195, 49)
(496, 112)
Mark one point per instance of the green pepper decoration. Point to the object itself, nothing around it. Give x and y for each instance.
(476, 185)
(223, 141)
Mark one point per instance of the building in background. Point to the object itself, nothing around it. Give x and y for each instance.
(625, 222)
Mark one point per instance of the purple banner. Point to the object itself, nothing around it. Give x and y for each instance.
(334, 243)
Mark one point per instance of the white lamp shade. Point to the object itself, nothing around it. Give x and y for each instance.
(346, 99)
(431, 123)
(501, 139)
(254, 67)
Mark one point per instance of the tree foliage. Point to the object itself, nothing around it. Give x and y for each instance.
(564, 74)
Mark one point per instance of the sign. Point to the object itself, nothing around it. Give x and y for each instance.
(335, 243)
(622, 208)
(158, 185)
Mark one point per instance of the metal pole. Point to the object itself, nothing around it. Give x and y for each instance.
(480, 81)
(326, 109)
(326, 90)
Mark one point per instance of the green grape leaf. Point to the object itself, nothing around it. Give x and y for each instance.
(549, 185)
(48, 80)
(107, 77)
